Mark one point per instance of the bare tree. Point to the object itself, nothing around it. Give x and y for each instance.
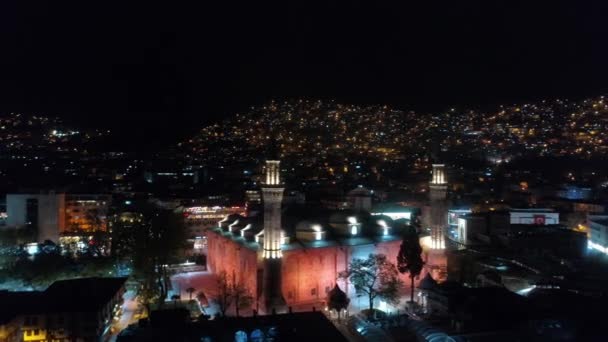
(230, 293)
(242, 297)
(190, 291)
(224, 295)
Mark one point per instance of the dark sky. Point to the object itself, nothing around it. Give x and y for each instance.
(166, 68)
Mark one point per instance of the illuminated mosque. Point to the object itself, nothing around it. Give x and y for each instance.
(293, 256)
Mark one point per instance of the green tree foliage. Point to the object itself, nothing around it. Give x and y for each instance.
(147, 293)
(150, 238)
(10, 237)
(52, 264)
(44, 268)
(99, 244)
(375, 277)
(337, 300)
(11, 242)
(409, 259)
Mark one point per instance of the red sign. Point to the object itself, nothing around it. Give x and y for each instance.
(539, 220)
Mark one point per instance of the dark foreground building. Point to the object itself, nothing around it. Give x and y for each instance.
(68, 310)
(175, 325)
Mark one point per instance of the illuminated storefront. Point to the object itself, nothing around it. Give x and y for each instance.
(201, 218)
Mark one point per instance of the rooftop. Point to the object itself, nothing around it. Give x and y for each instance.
(531, 210)
(71, 295)
(300, 226)
(302, 326)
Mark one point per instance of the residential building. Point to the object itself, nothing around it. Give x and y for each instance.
(68, 310)
(54, 214)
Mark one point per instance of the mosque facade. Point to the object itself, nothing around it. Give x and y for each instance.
(292, 259)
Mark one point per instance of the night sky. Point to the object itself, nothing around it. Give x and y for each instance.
(155, 72)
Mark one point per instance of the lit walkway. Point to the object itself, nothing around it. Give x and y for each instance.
(200, 281)
(207, 282)
(129, 308)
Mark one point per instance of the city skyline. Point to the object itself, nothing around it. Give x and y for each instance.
(169, 68)
(364, 171)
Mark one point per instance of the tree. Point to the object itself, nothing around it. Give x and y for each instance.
(17, 236)
(147, 293)
(190, 291)
(242, 298)
(44, 268)
(232, 293)
(415, 224)
(175, 298)
(374, 277)
(409, 259)
(150, 238)
(337, 300)
(224, 293)
(99, 243)
(202, 299)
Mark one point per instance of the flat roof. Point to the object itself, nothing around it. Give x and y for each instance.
(532, 210)
(295, 243)
(602, 221)
(301, 326)
(70, 295)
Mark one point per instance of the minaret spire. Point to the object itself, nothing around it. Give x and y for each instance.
(437, 195)
(272, 195)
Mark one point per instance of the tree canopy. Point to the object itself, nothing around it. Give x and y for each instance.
(375, 277)
(337, 300)
(409, 259)
(150, 238)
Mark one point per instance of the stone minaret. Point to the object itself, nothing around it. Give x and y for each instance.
(438, 194)
(272, 195)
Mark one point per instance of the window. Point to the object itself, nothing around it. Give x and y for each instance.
(313, 292)
(36, 332)
(28, 332)
(290, 294)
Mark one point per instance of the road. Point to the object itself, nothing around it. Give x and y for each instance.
(129, 308)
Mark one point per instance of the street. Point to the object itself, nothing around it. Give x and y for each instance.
(129, 308)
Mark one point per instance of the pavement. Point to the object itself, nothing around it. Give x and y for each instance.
(203, 281)
(207, 282)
